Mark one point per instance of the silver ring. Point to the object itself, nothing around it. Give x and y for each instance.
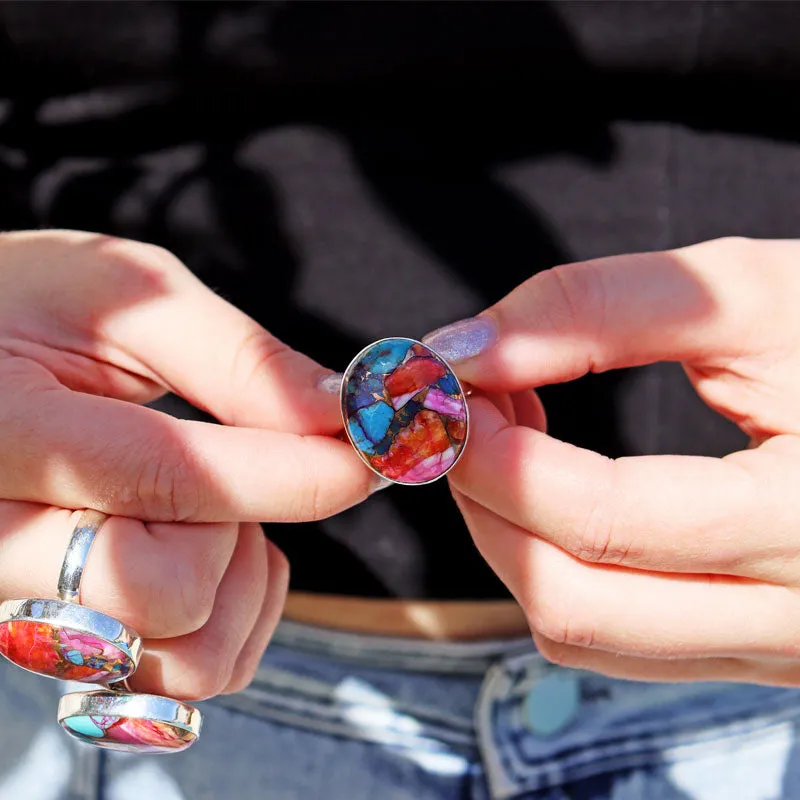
(63, 640)
(133, 723)
(80, 543)
(404, 411)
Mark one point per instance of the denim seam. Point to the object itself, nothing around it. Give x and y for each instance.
(321, 711)
(386, 736)
(86, 775)
(558, 773)
(642, 750)
(274, 682)
(503, 770)
(689, 721)
(693, 725)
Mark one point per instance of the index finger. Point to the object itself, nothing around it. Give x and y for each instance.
(78, 450)
(703, 304)
(664, 513)
(125, 309)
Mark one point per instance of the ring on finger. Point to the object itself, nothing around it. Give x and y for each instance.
(60, 638)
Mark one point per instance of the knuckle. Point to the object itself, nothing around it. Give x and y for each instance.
(739, 247)
(719, 257)
(596, 538)
(562, 628)
(314, 509)
(257, 349)
(582, 289)
(309, 501)
(570, 298)
(555, 653)
(162, 607)
(130, 253)
(158, 582)
(160, 611)
(258, 353)
(243, 676)
(147, 608)
(191, 578)
(167, 485)
(211, 672)
(599, 543)
(124, 579)
(193, 590)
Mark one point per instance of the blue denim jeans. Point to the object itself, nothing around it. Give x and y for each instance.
(347, 717)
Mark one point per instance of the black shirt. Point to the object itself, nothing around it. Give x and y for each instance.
(344, 172)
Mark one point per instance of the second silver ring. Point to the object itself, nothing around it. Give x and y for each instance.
(60, 638)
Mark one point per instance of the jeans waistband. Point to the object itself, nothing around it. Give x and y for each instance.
(537, 726)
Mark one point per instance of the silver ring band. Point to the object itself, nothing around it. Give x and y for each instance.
(80, 543)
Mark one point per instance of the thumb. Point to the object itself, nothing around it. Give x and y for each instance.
(699, 304)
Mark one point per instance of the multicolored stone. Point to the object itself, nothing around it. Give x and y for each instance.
(404, 411)
(63, 653)
(129, 734)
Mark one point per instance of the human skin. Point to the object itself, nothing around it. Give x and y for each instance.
(663, 567)
(91, 327)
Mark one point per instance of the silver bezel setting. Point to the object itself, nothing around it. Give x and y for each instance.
(345, 421)
(130, 705)
(63, 614)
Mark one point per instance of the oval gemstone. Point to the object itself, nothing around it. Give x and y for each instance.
(129, 734)
(404, 411)
(63, 653)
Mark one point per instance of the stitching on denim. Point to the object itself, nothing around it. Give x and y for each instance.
(316, 710)
(493, 756)
(385, 736)
(619, 746)
(288, 682)
(643, 750)
(599, 761)
(693, 725)
(84, 782)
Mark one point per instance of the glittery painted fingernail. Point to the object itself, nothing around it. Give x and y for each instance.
(463, 340)
(330, 383)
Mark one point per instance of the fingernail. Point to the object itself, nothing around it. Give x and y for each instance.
(330, 383)
(464, 339)
(380, 483)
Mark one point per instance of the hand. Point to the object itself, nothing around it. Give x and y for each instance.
(658, 567)
(89, 327)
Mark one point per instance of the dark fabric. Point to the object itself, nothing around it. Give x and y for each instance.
(344, 172)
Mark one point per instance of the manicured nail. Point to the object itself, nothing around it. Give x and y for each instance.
(330, 383)
(464, 339)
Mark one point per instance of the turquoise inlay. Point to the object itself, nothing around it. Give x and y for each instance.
(384, 357)
(375, 420)
(75, 656)
(85, 726)
(360, 438)
(552, 703)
